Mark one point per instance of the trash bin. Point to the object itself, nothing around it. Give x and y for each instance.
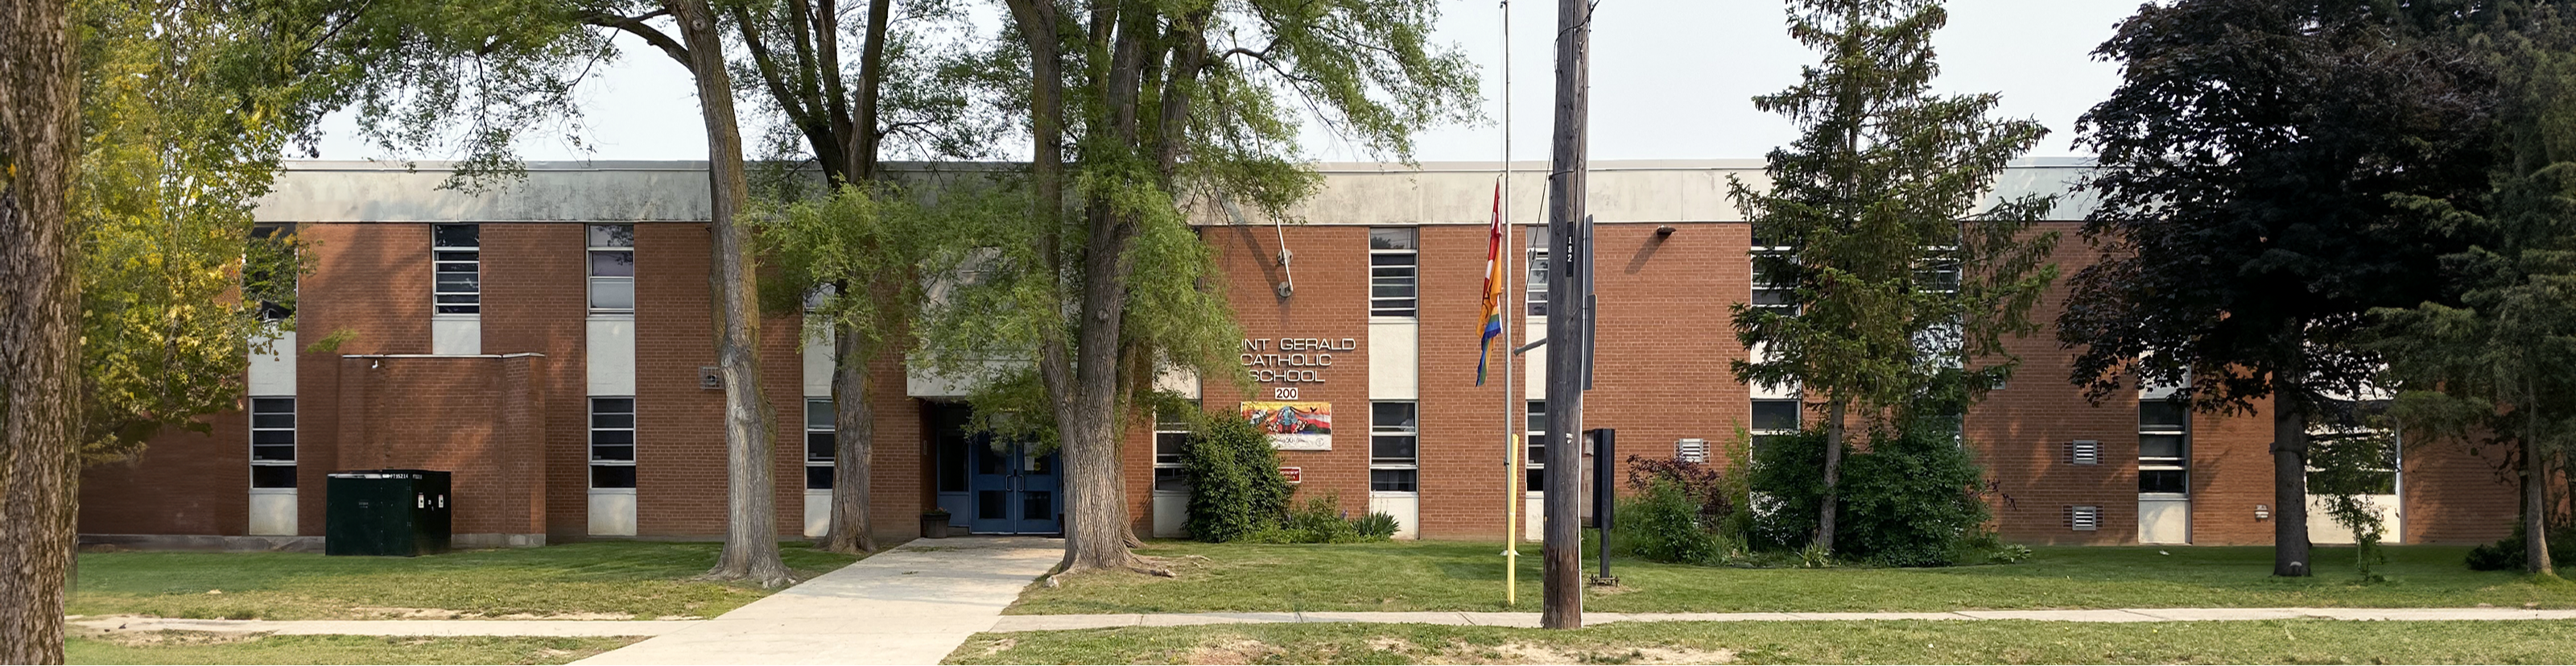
(403, 512)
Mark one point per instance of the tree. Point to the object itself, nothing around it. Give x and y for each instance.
(185, 114)
(39, 340)
(2247, 165)
(1162, 103)
(2496, 360)
(844, 245)
(858, 250)
(500, 68)
(1900, 288)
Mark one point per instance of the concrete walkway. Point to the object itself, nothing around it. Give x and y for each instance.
(1060, 622)
(910, 605)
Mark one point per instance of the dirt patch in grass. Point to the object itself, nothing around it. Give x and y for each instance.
(1233, 650)
(401, 613)
(167, 638)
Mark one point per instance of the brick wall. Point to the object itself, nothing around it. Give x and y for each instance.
(1665, 345)
(181, 483)
(1331, 302)
(480, 417)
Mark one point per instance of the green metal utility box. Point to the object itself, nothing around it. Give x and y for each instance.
(402, 512)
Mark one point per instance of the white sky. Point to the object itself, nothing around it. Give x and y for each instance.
(1671, 79)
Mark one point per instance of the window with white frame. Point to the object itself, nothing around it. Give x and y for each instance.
(456, 252)
(269, 270)
(1774, 419)
(1395, 456)
(1772, 292)
(1171, 435)
(2342, 422)
(612, 267)
(272, 442)
(821, 440)
(1535, 464)
(1535, 289)
(612, 442)
(1394, 271)
(2164, 447)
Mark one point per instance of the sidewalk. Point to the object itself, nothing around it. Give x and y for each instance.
(1012, 623)
(910, 605)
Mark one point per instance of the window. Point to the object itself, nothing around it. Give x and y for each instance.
(2164, 447)
(272, 442)
(1171, 434)
(612, 442)
(1536, 289)
(820, 442)
(269, 270)
(1394, 447)
(612, 267)
(456, 250)
(2341, 424)
(1774, 419)
(1393, 274)
(1772, 290)
(1536, 462)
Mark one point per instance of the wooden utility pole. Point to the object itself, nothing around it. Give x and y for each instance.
(1567, 351)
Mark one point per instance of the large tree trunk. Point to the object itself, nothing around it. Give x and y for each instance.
(2535, 498)
(2289, 481)
(39, 343)
(1828, 509)
(751, 530)
(854, 437)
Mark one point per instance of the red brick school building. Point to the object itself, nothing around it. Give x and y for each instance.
(550, 343)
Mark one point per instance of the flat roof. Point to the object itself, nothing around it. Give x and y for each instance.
(1353, 193)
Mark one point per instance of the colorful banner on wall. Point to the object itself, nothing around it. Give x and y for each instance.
(1293, 426)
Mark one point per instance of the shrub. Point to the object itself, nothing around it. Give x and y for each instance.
(1321, 521)
(1787, 482)
(1700, 483)
(2507, 555)
(1910, 500)
(1664, 523)
(1235, 487)
(1376, 526)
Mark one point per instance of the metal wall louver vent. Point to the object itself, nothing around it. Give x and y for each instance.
(1692, 450)
(2084, 518)
(2084, 452)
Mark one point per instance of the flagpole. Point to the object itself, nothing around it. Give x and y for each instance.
(1512, 410)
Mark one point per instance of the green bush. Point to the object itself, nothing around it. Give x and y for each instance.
(1321, 521)
(1787, 483)
(2507, 555)
(1663, 522)
(1235, 487)
(1908, 500)
(1376, 526)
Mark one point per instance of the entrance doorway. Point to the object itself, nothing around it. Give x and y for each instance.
(1012, 490)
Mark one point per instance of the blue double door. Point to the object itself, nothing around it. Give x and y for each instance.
(1012, 490)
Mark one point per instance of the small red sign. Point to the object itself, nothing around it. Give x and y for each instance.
(1291, 473)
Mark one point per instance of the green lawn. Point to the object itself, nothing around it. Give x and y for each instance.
(600, 580)
(1871, 642)
(186, 647)
(1468, 577)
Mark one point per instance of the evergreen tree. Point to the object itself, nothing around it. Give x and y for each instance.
(2496, 360)
(2248, 163)
(1901, 289)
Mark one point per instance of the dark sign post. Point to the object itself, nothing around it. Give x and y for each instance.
(1605, 474)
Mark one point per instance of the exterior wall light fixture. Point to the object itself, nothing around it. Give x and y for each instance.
(2262, 512)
